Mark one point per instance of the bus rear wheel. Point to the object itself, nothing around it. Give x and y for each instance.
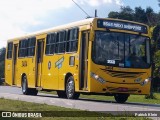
(25, 89)
(70, 89)
(61, 94)
(121, 98)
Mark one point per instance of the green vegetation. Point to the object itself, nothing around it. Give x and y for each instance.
(2, 58)
(156, 51)
(138, 14)
(12, 105)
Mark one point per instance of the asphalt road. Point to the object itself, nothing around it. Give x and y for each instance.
(83, 104)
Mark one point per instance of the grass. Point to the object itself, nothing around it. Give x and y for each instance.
(13, 105)
(132, 98)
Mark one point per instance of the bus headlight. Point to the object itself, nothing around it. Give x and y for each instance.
(145, 81)
(99, 79)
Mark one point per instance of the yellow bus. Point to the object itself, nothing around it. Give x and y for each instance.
(93, 56)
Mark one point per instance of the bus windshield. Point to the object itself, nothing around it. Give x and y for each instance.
(121, 50)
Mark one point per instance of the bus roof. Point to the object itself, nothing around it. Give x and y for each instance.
(61, 27)
(67, 26)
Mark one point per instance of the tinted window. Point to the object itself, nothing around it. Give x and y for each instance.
(31, 46)
(72, 40)
(50, 43)
(23, 48)
(61, 39)
(121, 50)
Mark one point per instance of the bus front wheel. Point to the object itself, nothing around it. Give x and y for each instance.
(70, 89)
(121, 98)
(25, 89)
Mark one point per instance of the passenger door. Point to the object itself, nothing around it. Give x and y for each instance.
(84, 60)
(9, 64)
(39, 61)
(14, 64)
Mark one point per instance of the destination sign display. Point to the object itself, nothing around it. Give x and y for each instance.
(111, 24)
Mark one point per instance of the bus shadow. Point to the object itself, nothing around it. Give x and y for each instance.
(103, 101)
(127, 103)
(82, 99)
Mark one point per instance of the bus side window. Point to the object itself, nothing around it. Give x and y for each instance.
(9, 50)
(61, 39)
(50, 44)
(23, 48)
(31, 46)
(67, 40)
(72, 40)
(56, 45)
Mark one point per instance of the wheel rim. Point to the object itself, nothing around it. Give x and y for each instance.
(70, 89)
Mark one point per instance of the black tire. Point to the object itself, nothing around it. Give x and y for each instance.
(25, 89)
(70, 89)
(61, 94)
(24, 85)
(121, 98)
(32, 91)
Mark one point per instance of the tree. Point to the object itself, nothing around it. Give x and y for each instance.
(113, 15)
(156, 50)
(146, 16)
(125, 13)
(140, 15)
(149, 14)
(2, 54)
(2, 61)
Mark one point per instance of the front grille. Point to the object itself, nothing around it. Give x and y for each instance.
(119, 74)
